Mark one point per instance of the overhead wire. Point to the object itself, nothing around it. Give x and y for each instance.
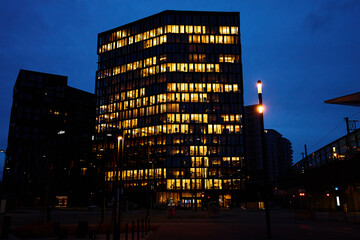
(331, 131)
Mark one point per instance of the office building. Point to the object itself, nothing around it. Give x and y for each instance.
(49, 142)
(169, 112)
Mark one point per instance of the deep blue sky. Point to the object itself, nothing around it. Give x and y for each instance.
(305, 52)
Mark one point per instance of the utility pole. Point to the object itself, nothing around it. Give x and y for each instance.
(347, 125)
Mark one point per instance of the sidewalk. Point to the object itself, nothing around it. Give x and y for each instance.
(228, 224)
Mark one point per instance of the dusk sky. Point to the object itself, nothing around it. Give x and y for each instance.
(304, 52)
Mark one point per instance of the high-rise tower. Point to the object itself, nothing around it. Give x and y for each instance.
(170, 104)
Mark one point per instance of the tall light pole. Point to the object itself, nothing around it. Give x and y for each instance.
(118, 181)
(150, 165)
(265, 165)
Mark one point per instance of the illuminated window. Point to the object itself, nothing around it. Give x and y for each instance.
(227, 58)
(234, 30)
(224, 30)
(189, 29)
(61, 201)
(184, 128)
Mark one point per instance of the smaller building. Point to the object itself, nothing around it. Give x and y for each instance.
(48, 158)
(278, 150)
(279, 155)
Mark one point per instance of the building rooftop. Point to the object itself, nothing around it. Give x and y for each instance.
(349, 100)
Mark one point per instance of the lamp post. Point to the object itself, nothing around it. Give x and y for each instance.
(150, 166)
(265, 166)
(118, 181)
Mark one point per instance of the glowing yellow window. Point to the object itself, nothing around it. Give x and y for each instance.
(189, 29)
(205, 39)
(217, 128)
(224, 30)
(175, 28)
(163, 39)
(191, 67)
(170, 118)
(192, 150)
(152, 70)
(228, 39)
(202, 150)
(162, 108)
(199, 87)
(205, 118)
(212, 39)
(118, 34)
(159, 31)
(132, 103)
(138, 37)
(234, 30)
(157, 130)
(219, 39)
(237, 129)
(197, 29)
(191, 87)
(131, 40)
(163, 67)
(182, 67)
(210, 68)
(235, 88)
(184, 128)
(228, 88)
(185, 118)
(194, 97)
(183, 87)
(196, 39)
(210, 129)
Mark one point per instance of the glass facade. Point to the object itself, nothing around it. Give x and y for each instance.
(170, 107)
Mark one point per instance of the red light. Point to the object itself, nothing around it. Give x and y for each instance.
(208, 197)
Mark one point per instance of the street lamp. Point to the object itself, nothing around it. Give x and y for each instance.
(265, 167)
(118, 179)
(150, 164)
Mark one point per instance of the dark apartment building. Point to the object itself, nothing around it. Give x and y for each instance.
(279, 155)
(278, 150)
(170, 108)
(49, 143)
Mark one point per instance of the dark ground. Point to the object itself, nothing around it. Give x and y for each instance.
(228, 224)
